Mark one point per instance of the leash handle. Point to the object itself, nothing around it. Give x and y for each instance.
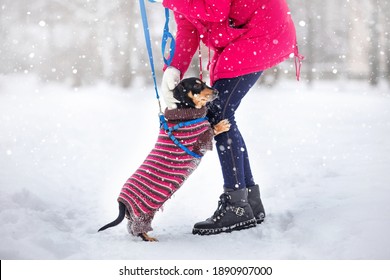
(167, 35)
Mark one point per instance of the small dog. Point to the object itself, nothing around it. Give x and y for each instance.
(168, 165)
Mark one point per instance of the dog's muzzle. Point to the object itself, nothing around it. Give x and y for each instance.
(215, 94)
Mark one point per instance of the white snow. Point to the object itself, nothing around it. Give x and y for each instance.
(321, 156)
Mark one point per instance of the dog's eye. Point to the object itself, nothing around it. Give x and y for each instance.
(198, 86)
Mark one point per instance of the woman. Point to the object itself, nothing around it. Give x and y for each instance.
(247, 37)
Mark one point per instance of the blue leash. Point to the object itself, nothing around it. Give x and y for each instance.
(166, 36)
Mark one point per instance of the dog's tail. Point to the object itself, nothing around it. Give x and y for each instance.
(121, 216)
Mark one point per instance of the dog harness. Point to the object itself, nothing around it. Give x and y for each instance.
(167, 166)
(170, 130)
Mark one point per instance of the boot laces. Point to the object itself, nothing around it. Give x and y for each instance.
(223, 203)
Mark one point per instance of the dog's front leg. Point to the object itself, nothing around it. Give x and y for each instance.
(222, 126)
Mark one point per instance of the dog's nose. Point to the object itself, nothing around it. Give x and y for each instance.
(215, 92)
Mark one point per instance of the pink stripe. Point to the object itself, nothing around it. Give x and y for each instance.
(162, 191)
(169, 150)
(162, 186)
(176, 175)
(174, 155)
(145, 191)
(147, 173)
(169, 164)
(140, 199)
(136, 202)
(189, 133)
(169, 142)
(132, 189)
(171, 156)
(157, 168)
(168, 183)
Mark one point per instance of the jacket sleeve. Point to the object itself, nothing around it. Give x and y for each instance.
(187, 43)
(207, 10)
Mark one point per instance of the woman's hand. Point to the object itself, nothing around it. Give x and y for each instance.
(170, 80)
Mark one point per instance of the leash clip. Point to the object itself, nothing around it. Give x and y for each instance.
(163, 121)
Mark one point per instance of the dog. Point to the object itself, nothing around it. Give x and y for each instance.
(168, 165)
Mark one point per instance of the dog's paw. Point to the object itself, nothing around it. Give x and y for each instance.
(222, 126)
(147, 238)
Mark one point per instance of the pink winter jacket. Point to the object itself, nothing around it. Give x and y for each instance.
(246, 35)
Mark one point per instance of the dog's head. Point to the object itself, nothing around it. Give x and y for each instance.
(193, 93)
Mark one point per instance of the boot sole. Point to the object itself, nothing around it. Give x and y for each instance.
(239, 226)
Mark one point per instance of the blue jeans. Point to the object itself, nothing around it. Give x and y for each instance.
(231, 148)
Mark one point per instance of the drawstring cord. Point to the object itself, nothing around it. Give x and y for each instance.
(200, 64)
(200, 55)
(298, 63)
(298, 58)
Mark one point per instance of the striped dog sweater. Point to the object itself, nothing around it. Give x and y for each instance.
(165, 169)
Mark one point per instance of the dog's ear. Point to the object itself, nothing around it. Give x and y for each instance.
(181, 88)
(179, 92)
(183, 93)
(198, 86)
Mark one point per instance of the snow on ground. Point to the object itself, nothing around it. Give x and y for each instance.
(321, 156)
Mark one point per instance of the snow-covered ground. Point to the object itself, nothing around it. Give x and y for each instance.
(321, 156)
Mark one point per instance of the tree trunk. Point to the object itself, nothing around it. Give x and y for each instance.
(309, 61)
(374, 61)
(128, 8)
(386, 22)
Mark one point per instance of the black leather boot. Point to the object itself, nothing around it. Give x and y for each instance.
(255, 203)
(233, 213)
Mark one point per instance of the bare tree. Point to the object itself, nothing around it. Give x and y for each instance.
(385, 7)
(374, 62)
(310, 39)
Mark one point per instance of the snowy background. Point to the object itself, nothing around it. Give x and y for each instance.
(321, 156)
